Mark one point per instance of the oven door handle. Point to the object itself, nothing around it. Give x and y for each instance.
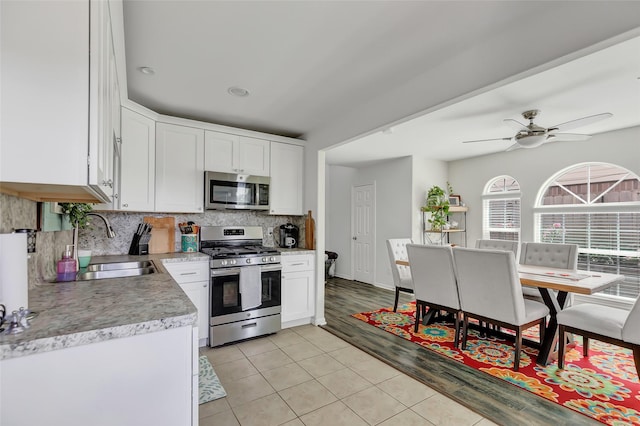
(225, 272)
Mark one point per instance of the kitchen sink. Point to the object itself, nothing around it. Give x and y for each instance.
(119, 266)
(99, 271)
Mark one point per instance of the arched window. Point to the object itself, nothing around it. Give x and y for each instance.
(501, 209)
(597, 206)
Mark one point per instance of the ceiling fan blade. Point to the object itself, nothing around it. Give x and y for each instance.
(569, 137)
(515, 124)
(487, 140)
(580, 122)
(513, 147)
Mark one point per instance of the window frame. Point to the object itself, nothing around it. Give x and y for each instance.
(589, 207)
(505, 195)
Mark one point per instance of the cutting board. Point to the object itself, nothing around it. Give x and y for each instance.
(163, 234)
(309, 229)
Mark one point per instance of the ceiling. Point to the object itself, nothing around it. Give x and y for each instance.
(333, 71)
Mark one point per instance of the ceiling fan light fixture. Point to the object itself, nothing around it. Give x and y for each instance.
(532, 141)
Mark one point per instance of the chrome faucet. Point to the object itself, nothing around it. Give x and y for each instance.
(110, 232)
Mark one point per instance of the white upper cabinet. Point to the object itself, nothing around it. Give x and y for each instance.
(52, 79)
(285, 190)
(138, 162)
(179, 169)
(229, 153)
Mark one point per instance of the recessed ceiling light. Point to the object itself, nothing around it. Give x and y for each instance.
(240, 92)
(147, 70)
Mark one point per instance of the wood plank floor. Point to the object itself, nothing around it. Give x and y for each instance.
(492, 398)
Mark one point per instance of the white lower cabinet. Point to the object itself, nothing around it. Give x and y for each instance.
(298, 289)
(146, 379)
(193, 278)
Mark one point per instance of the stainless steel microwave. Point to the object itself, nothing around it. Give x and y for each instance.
(235, 191)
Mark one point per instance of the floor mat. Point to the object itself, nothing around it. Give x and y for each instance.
(209, 386)
(604, 386)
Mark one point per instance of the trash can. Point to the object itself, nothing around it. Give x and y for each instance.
(330, 263)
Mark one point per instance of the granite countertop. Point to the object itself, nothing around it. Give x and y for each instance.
(297, 250)
(82, 312)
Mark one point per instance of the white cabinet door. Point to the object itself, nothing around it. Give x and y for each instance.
(198, 293)
(297, 295)
(179, 168)
(253, 156)
(47, 96)
(298, 289)
(137, 162)
(218, 152)
(228, 153)
(285, 190)
(193, 278)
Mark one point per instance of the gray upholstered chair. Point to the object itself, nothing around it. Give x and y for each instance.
(552, 255)
(434, 283)
(604, 323)
(490, 291)
(498, 245)
(397, 248)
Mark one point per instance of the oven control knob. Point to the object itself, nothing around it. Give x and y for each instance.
(232, 262)
(264, 260)
(224, 262)
(272, 258)
(248, 260)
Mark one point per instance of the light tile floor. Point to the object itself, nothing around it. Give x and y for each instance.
(307, 376)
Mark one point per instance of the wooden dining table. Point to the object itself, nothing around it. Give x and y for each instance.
(547, 280)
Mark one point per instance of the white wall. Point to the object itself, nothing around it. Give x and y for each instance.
(339, 181)
(532, 167)
(426, 173)
(401, 187)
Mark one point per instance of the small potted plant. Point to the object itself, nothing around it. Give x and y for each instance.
(77, 213)
(438, 206)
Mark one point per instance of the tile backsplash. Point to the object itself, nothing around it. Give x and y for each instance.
(18, 213)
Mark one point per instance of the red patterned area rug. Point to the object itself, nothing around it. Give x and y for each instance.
(603, 386)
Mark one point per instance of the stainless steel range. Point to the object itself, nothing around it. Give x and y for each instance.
(245, 283)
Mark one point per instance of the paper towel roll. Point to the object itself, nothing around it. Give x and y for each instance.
(14, 287)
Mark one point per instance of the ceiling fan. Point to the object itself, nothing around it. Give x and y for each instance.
(532, 135)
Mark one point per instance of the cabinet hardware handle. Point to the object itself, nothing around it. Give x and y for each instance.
(297, 264)
(253, 324)
(205, 285)
(188, 273)
(125, 205)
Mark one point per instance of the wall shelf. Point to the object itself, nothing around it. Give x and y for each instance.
(442, 236)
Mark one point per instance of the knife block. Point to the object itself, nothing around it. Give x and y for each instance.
(137, 246)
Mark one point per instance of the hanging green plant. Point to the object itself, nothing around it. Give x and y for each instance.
(77, 213)
(438, 205)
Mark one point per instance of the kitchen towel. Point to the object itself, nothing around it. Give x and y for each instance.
(250, 287)
(14, 287)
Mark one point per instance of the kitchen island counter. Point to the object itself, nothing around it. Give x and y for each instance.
(83, 312)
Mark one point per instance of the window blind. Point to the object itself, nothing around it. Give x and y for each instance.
(501, 218)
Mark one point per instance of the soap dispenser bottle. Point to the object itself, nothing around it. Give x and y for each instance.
(66, 270)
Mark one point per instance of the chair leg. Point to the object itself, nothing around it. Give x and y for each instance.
(585, 346)
(456, 339)
(465, 327)
(636, 358)
(418, 315)
(562, 343)
(395, 304)
(516, 355)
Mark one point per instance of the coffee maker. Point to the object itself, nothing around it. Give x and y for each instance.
(289, 236)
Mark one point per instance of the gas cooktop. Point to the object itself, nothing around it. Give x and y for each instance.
(236, 246)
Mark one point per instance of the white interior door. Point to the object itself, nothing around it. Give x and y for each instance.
(363, 230)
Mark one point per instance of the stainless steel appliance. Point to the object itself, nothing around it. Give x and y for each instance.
(289, 235)
(237, 259)
(235, 191)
